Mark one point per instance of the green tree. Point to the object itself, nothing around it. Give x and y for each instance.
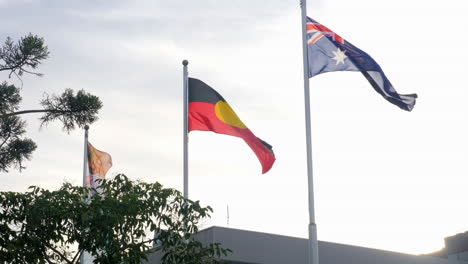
(72, 110)
(114, 225)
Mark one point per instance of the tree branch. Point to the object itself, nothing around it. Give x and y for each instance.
(58, 252)
(14, 67)
(30, 72)
(48, 260)
(19, 78)
(33, 111)
(44, 252)
(6, 139)
(10, 68)
(78, 253)
(137, 244)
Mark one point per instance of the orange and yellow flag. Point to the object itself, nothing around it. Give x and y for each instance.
(99, 163)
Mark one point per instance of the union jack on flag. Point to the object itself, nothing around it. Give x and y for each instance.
(327, 52)
(317, 31)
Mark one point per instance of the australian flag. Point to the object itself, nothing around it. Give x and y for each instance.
(328, 52)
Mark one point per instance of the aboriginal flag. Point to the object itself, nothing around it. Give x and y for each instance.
(208, 111)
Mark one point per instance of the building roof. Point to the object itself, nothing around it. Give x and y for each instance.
(263, 248)
(456, 246)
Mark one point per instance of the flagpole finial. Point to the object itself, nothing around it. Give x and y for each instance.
(86, 127)
(185, 62)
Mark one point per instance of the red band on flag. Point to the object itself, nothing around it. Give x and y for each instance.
(208, 111)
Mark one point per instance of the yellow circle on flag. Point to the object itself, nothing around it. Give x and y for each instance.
(225, 113)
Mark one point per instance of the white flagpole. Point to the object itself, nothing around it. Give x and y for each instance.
(313, 243)
(84, 255)
(85, 158)
(185, 76)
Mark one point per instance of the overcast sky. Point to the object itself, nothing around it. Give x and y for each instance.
(384, 178)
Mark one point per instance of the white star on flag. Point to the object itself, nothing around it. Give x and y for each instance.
(339, 56)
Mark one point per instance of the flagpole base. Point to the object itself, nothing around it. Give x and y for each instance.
(313, 245)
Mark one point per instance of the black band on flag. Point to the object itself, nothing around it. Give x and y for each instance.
(208, 111)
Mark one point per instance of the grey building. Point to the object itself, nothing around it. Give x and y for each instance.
(456, 248)
(261, 248)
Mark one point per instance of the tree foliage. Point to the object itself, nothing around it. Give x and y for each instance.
(41, 226)
(14, 148)
(28, 52)
(72, 110)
